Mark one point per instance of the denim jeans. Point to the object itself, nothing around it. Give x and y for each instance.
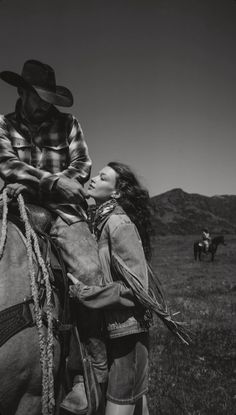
(80, 253)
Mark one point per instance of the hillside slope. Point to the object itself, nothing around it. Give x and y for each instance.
(179, 212)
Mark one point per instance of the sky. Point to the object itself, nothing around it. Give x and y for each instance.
(154, 82)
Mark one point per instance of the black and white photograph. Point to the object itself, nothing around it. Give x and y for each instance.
(118, 207)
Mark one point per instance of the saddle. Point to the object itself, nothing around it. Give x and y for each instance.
(41, 219)
(19, 316)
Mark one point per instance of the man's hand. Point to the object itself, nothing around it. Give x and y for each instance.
(76, 288)
(70, 190)
(14, 189)
(72, 278)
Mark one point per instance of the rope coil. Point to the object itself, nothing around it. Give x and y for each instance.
(45, 339)
(4, 222)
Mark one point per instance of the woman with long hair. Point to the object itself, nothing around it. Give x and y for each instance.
(130, 292)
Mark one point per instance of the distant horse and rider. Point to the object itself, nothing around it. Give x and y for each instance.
(207, 245)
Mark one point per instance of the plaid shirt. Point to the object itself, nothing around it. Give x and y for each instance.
(57, 146)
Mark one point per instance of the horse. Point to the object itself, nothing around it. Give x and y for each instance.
(199, 248)
(21, 366)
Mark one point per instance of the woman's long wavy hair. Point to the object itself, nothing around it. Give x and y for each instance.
(135, 201)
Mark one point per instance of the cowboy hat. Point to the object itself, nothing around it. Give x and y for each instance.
(41, 78)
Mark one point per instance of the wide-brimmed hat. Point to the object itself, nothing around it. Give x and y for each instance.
(41, 78)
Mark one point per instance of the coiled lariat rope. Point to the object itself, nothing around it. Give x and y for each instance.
(4, 222)
(42, 279)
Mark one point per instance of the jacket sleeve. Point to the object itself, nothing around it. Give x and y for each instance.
(113, 295)
(127, 252)
(126, 248)
(80, 162)
(13, 170)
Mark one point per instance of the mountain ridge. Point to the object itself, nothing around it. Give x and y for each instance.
(178, 212)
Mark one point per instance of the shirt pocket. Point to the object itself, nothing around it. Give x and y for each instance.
(55, 158)
(22, 148)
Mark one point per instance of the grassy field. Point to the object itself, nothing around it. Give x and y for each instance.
(199, 379)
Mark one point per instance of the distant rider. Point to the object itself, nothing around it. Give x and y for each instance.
(206, 239)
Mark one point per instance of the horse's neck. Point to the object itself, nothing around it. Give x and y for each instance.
(217, 240)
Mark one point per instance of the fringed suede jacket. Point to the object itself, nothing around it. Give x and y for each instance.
(122, 259)
(131, 292)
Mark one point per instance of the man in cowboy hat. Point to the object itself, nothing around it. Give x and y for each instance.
(43, 152)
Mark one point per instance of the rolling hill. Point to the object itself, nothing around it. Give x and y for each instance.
(181, 213)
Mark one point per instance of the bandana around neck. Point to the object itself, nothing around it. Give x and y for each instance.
(102, 212)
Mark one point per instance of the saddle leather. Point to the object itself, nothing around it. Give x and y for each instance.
(40, 218)
(18, 317)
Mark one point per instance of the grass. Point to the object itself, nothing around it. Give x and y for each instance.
(199, 379)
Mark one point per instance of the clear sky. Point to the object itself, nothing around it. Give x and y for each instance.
(154, 82)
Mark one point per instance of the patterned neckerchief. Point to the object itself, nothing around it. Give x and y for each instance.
(102, 212)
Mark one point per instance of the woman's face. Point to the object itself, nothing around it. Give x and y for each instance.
(103, 186)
